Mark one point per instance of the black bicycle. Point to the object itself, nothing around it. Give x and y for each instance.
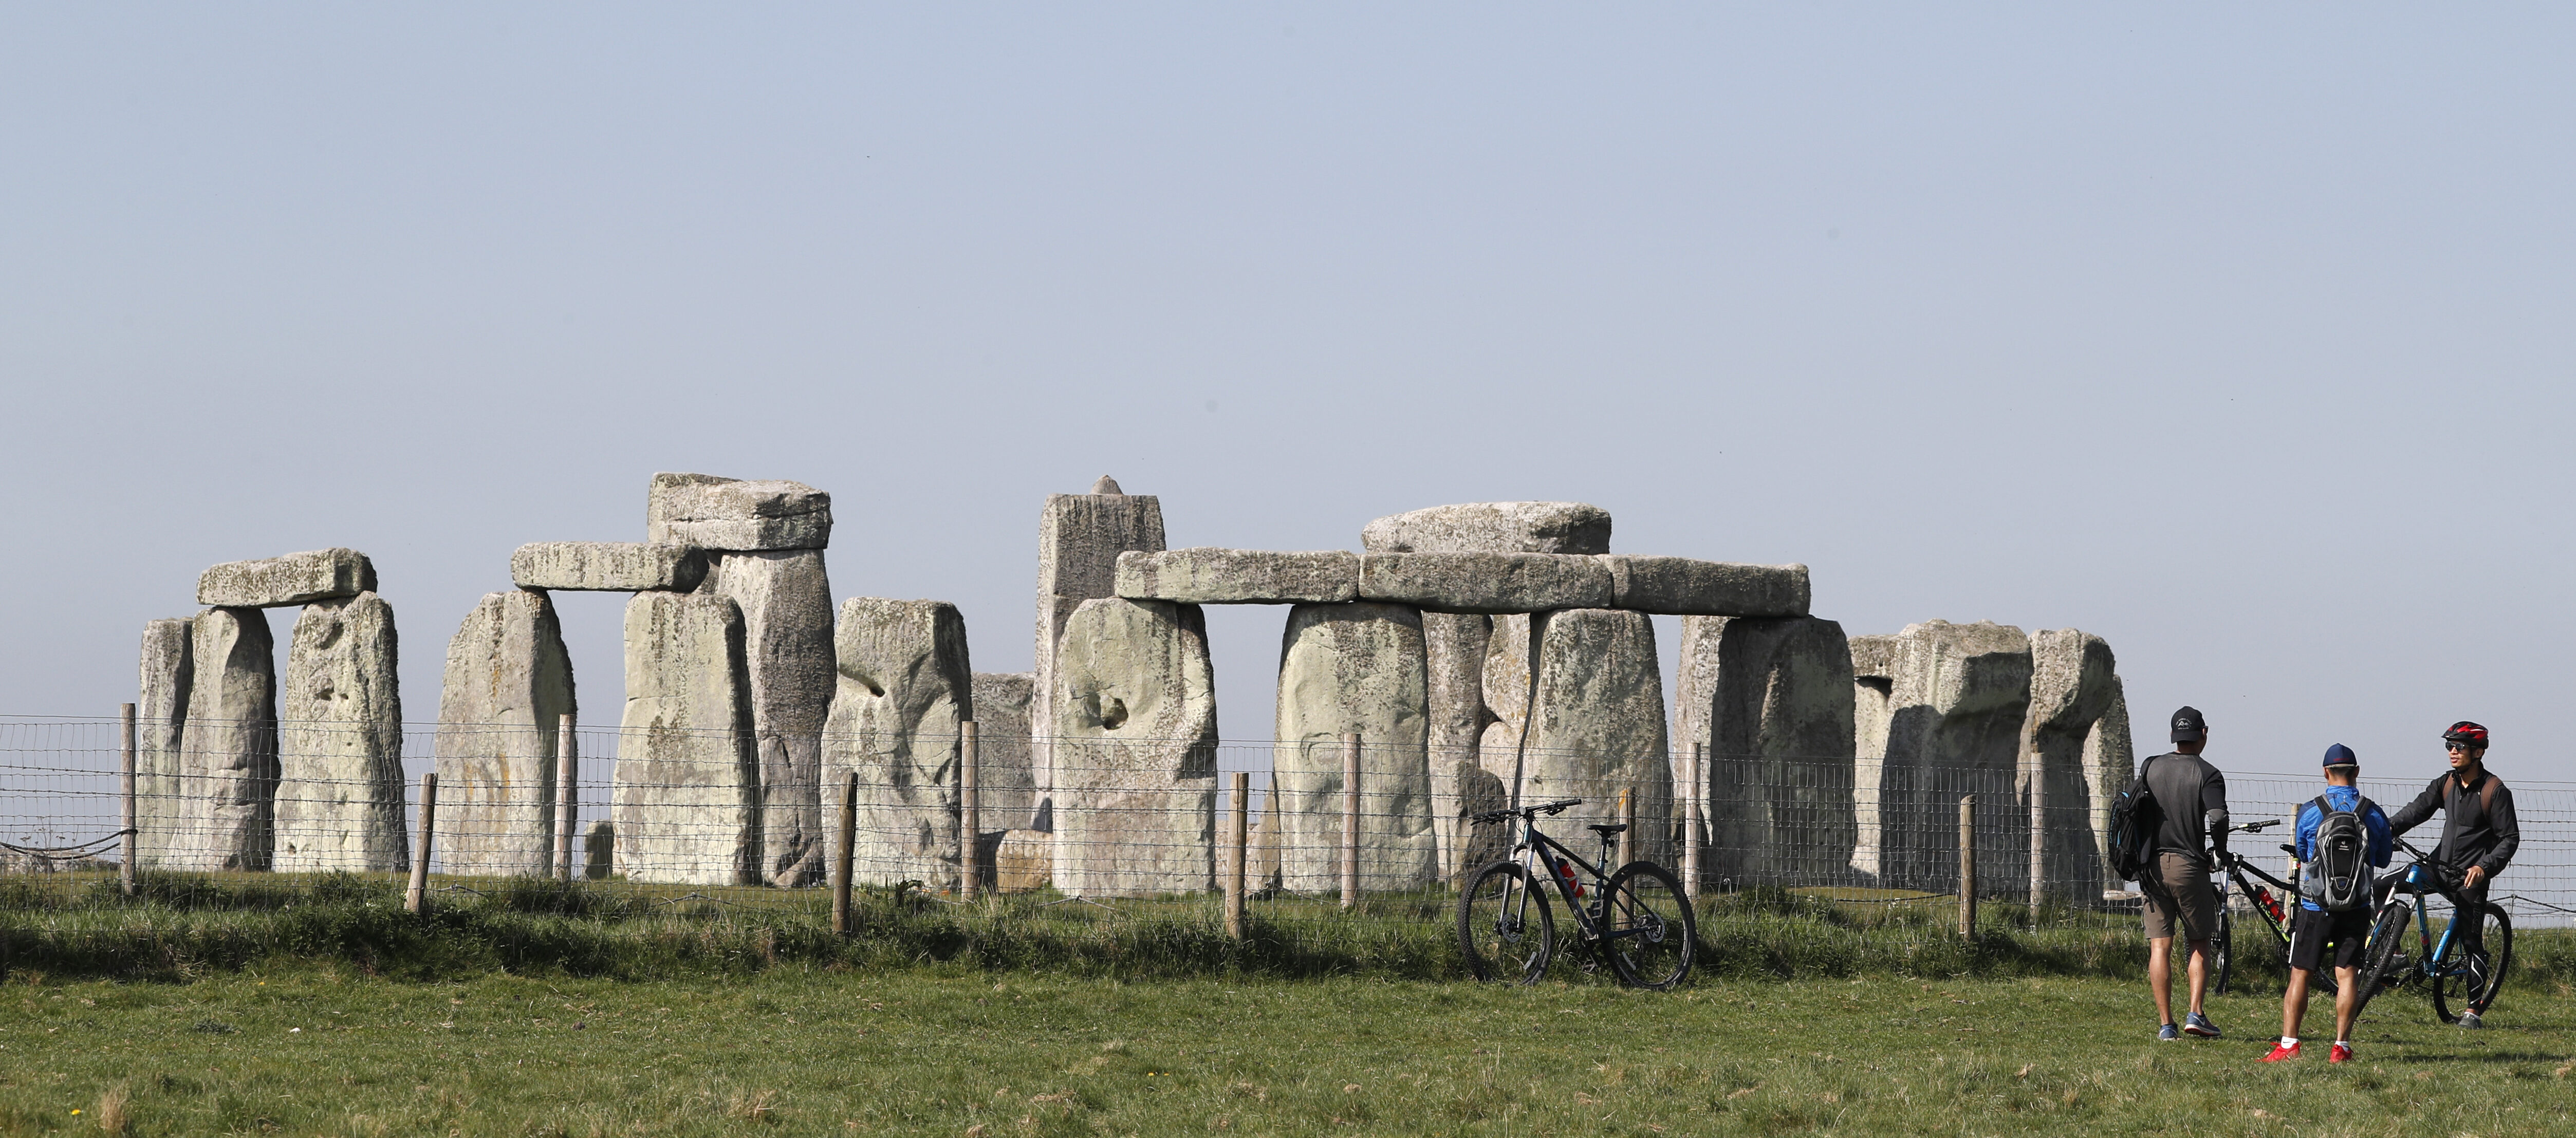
(2272, 908)
(2462, 979)
(1637, 919)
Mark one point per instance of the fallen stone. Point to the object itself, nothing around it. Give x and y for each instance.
(905, 684)
(1486, 582)
(228, 770)
(687, 800)
(1210, 576)
(1682, 586)
(1492, 527)
(2071, 688)
(161, 717)
(507, 685)
(1354, 668)
(295, 579)
(1079, 539)
(1596, 724)
(786, 603)
(1453, 651)
(607, 566)
(1770, 699)
(731, 514)
(1135, 789)
(1023, 860)
(1006, 791)
(340, 773)
(1957, 700)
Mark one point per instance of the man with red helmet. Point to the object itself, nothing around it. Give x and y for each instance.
(2479, 834)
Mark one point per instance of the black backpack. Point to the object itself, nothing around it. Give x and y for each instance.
(2338, 877)
(2135, 821)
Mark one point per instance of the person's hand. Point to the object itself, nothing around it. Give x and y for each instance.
(2476, 875)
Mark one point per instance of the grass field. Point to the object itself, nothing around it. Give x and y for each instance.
(935, 1050)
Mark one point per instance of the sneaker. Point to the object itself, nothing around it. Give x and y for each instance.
(2290, 1052)
(2342, 1053)
(2198, 1024)
(2168, 1034)
(2471, 1021)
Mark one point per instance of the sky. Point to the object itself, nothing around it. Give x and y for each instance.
(2238, 337)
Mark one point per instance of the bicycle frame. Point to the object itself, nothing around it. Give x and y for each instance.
(1541, 855)
(2416, 882)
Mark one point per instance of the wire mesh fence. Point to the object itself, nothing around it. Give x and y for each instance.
(722, 822)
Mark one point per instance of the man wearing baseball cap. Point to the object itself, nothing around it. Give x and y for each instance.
(2479, 837)
(2348, 931)
(2193, 798)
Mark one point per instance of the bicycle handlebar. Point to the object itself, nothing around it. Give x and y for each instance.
(1550, 808)
(2254, 827)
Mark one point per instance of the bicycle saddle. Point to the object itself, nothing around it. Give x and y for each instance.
(1607, 830)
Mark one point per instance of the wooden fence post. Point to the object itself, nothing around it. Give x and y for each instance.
(970, 814)
(1237, 836)
(567, 795)
(419, 894)
(1968, 867)
(125, 795)
(841, 858)
(1628, 818)
(1350, 820)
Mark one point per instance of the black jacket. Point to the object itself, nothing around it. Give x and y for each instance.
(2478, 827)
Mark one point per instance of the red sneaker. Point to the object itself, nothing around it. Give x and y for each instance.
(2341, 1054)
(2279, 1052)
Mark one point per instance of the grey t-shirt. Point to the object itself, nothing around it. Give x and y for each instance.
(2187, 788)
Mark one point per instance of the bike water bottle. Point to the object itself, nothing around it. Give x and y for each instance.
(1567, 872)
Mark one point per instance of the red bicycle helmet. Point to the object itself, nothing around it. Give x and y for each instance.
(2466, 732)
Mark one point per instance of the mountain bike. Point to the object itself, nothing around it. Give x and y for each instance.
(2461, 980)
(1637, 920)
(2272, 908)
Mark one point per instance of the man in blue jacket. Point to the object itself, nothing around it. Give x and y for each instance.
(2314, 929)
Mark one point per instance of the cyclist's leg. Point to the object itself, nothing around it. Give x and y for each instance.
(2155, 912)
(2351, 936)
(2303, 958)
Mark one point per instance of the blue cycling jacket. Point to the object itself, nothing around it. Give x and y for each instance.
(2374, 823)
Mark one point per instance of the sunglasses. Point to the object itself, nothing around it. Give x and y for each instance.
(2459, 746)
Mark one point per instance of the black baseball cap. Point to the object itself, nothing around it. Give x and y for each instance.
(2189, 727)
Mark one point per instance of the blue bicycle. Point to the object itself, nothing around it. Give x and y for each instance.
(2462, 979)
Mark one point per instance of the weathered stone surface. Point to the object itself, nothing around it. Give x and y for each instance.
(1023, 860)
(1486, 582)
(340, 774)
(786, 603)
(1958, 694)
(1354, 668)
(1596, 722)
(732, 514)
(1210, 576)
(1135, 775)
(905, 685)
(2111, 762)
(2071, 687)
(607, 566)
(1873, 682)
(228, 767)
(1453, 649)
(160, 719)
(599, 851)
(1005, 788)
(507, 685)
(1262, 842)
(1509, 668)
(687, 800)
(297, 578)
(1492, 527)
(1079, 539)
(1687, 587)
(1771, 701)
(1478, 792)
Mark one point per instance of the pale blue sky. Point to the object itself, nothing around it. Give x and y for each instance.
(2241, 338)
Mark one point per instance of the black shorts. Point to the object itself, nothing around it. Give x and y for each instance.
(2311, 929)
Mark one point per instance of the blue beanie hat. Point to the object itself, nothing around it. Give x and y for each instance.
(2339, 755)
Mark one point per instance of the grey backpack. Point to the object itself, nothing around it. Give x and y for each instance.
(2338, 879)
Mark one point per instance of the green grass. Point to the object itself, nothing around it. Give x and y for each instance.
(946, 1050)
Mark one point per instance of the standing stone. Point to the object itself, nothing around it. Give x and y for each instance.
(905, 685)
(709, 512)
(1507, 678)
(2111, 763)
(1492, 527)
(1354, 668)
(687, 801)
(1079, 539)
(786, 605)
(1959, 695)
(1006, 792)
(507, 683)
(1478, 792)
(1454, 647)
(295, 579)
(1135, 756)
(340, 774)
(228, 770)
(1771, 700)
(2071, 684)
(160, 719)
(1873, 684)
(1596, 723)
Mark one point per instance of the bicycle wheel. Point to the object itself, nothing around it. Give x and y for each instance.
(2465, 981)
(1505, 926)
(2383, 963)
(2222, 952)
(1655, 937)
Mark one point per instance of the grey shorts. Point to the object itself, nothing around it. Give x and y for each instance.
(2181, 893)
